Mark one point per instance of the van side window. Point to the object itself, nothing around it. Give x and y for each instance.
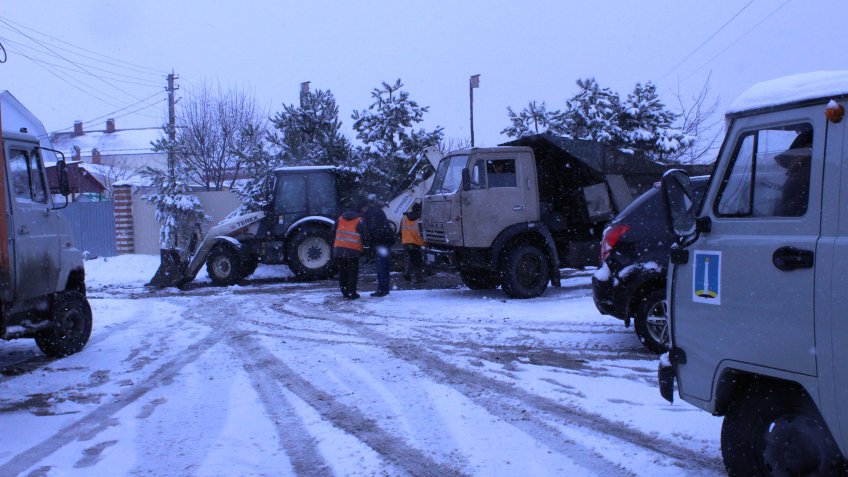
(501, 173)
(769, 174)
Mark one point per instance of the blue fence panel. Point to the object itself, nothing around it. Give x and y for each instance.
(93, 227)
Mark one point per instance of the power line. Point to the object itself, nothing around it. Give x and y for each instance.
(738, 39)
(150, 71)
(66, 68)
(69, 61)
(697, 48)
(110, 116)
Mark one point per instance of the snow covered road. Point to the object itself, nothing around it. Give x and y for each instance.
(289, 379)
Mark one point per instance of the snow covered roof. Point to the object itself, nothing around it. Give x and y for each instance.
(122, 141)
(792, 89)
(306, 168)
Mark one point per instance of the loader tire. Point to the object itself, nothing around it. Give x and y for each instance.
(223, 266)
(310, 253)
(72, 321)
(248, 265)
(524, 271)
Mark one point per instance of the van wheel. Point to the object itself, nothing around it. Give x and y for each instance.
(71, 328)
(223, 266)
(524, 271)
(778, 431)
(652, 322)
(479, 279)
(310, 253)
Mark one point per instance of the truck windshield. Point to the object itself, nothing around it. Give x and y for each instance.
(449, 175)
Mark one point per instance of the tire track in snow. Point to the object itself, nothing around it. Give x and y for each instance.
(349, 419)
(102, 417)
(481, 389)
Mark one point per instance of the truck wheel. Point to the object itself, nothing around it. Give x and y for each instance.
(223, 266)
(652, 322)
(310, 253)
(479, 279)
(524, 272)
(778, 431)
(248, 265)
(71, 326)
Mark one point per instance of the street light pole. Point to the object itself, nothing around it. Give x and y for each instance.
(474, 82)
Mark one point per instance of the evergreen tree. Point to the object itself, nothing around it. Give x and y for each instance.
(391, 141)
(310, 133)
(648, 126)
(178, 212)
(259, 163)
(593, 114)
(533, 119)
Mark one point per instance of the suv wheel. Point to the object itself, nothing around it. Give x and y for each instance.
(652, 322)
(524, 271)
(71, 326)
(479, 279)
(778, 431)
(223, 266)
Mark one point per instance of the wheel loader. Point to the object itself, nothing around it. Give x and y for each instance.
(296, 229)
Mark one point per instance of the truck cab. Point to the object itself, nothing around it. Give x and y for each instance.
(42, 279)
(758, 328)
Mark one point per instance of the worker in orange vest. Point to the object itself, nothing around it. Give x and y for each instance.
(412, 242)
(346, 250)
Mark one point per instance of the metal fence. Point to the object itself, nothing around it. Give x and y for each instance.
(93, 227)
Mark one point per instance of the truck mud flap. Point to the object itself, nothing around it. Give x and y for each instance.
(666, 373)
(171, 271)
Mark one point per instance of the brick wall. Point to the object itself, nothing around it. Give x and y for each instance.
(122, 199)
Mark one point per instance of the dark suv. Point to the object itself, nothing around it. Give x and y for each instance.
(634, 259)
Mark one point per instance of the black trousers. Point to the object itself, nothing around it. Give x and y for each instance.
(348, 274)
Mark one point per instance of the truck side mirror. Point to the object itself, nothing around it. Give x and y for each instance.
(62, 174)
(679, 204)
(466, 179)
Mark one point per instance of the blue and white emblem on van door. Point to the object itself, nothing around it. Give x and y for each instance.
(706, 286)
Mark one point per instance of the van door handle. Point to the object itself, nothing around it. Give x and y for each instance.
(23, 230)
(791, 258)
(518, 207)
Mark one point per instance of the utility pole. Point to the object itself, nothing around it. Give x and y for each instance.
(172, 121)
(474, 82)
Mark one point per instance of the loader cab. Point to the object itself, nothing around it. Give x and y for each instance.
(300, 192)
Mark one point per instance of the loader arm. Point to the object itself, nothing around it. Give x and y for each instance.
(421, 175)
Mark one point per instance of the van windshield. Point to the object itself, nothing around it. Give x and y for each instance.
(449, 175)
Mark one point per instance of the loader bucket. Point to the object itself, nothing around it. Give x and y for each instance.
(171, 271)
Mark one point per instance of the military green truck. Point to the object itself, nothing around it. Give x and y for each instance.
(511, 216)
(757, 281)
(42, 279)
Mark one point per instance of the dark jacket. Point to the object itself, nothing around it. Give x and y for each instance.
(342, 252)
(378, 229)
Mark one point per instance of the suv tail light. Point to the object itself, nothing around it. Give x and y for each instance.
(611, 236)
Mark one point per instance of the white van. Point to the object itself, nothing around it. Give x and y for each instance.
(757, 300)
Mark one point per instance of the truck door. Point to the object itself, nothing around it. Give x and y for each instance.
(35, 237)
(746, 294)
(497, 196)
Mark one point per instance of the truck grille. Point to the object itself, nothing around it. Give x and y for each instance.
(435, 236)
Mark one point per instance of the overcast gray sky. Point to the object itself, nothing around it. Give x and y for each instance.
(523, 50)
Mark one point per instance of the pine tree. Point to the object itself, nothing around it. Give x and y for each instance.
(259, 163)
(533, 119)
(391, 142)
(648, 126)
(178, 212)
(310, 133)
(592, 114)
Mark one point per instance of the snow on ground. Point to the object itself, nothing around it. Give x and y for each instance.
(286, 378)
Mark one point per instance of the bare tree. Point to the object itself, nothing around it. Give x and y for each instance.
(210, 129)
(450, 144)
(116, 170)
(698, 120)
